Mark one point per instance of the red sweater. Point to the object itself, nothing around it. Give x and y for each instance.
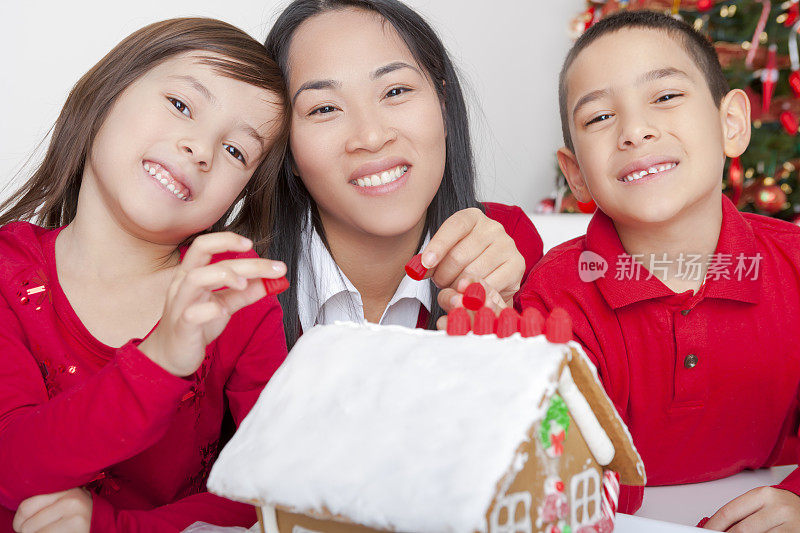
(75, 412)
(708, 382)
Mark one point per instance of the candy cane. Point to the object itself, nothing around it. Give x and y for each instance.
(610, 495)
(762, 23)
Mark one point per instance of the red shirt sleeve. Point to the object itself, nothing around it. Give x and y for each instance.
(519, 227)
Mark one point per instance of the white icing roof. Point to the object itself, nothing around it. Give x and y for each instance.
(450, 412)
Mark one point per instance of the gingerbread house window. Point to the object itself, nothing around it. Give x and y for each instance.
(585, 498)
(512, 514)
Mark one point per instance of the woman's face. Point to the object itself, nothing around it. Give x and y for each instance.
(367, 131)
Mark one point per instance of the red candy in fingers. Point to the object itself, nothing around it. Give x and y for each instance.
(531, 323)
(507, 323)
(485, 322)
(275, 286)
(474, 297)
(414, 268)
(558, 327)
(458, 322)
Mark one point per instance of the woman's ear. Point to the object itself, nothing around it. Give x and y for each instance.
(734, 112)
(568, 164)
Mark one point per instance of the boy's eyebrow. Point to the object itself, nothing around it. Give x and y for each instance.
(333, 84)
(653, 75)
(199, 87)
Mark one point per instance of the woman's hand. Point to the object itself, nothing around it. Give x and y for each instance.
(449, 299)
(470, 246)
(68, 511)
(202, 297)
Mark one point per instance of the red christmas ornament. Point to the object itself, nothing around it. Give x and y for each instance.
(546, 206)
(531, 323)
(275, 286)
(735, 179)
(704, 5)
(558, 328)
(485, 322)
(792, 15)
(789, 122)
(770, 199)
(587, 207)
(507, 323)
(796, 220)
(474, 296)
(794, 82)
(769, 77)
(414, 268)
(458, 322)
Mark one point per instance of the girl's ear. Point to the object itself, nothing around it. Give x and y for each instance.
(568, 164)
(734, 112)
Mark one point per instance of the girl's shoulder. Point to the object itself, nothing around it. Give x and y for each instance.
(23, 241)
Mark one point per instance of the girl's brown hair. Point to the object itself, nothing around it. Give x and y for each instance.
(50, 196)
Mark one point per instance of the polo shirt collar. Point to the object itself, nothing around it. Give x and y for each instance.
(627, 282)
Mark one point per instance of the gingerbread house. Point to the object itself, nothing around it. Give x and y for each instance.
(370, 428)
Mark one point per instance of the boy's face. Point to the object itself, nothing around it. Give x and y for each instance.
(649, 142)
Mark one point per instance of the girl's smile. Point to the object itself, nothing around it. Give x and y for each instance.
(167, 180)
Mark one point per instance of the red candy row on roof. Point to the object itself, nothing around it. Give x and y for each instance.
(557, 328)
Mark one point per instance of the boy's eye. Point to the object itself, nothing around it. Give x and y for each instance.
(234, 152)
(668, 97)
(180, 106)
(397, 91)
(323, 109)
(599, 118)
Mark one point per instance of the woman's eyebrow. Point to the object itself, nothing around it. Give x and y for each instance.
(316, 85)
(391, 67)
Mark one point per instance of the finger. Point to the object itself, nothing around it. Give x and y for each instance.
(51, 514)
(234, 300)
(449, 299)
(68, 524)
(441, 324)
(205, 246)
(505, 280)
(735, 511)
(456, 227)
(759, 521)
(466, 259)
(33, 505)
(202, 313)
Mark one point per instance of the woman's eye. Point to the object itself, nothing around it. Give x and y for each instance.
(234, 152)
(324, 109)
(599, 118)
(668, 97)
(397, 91)
(180, 106)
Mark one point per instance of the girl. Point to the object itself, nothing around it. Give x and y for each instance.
(155, 145)
(380, 162)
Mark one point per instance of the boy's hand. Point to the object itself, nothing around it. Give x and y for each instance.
(66, 511)
(449, 299)
(761, 509)
(470, 245)
(201, 299)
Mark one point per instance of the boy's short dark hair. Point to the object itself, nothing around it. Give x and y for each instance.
(698, 47)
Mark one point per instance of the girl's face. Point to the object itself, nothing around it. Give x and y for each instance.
(367, 131)
(177, 148)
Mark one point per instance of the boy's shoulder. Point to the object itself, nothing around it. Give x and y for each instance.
(769, 227)
(561, 261)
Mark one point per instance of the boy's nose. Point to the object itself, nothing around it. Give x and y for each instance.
(634, 135)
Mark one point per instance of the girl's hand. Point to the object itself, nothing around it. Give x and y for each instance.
(202, 297)
(761, 509)
(449, 299)
(470, 246)
(66, 511)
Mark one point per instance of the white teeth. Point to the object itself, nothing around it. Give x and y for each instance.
(652, 170)
(361, 182)
(162, 176)
(163, 181)
(152, 171)
(147, 167)
(158, 175)
(387, 176)
(171, 187)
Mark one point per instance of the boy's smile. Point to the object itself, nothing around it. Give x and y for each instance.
(648, 137)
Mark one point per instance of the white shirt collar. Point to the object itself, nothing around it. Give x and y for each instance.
(325, 295)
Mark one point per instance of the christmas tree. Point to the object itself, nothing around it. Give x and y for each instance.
(756, 41)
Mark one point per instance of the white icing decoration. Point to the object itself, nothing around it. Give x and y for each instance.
(596, 439)
(581, 497)
(269, 519)
(510, 503)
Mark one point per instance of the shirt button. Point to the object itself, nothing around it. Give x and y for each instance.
(690, 361)
(685, 312)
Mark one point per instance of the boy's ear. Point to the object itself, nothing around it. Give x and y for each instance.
(734, 112)
(572, 171)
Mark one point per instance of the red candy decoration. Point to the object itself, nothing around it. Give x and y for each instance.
(458, 322)
(794, 82)
(558, 328)
(485, 322)
(531, 323)
(474, 296)
(414, 268)
(704, 5)
(508, 323)
(736, 179)
(275, 286)
(789, 122)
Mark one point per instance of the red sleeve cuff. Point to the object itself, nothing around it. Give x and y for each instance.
(103, 515)
(134, 363)
(791, 483)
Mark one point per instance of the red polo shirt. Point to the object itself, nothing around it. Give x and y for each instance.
(707, 382)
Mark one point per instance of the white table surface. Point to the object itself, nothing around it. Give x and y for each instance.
(678, 508)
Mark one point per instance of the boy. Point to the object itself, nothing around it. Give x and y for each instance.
(688, 308)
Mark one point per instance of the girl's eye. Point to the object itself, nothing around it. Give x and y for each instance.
(668, 97)
(397, 91)
(324, 109)
(180, 106)
(235, 152)
(599, 118)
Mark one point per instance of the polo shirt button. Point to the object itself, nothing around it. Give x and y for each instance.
(690, 361)
(685, 312)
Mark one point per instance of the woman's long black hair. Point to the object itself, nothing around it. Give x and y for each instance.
(292, 202)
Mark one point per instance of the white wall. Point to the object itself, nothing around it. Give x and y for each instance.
(509, 52)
